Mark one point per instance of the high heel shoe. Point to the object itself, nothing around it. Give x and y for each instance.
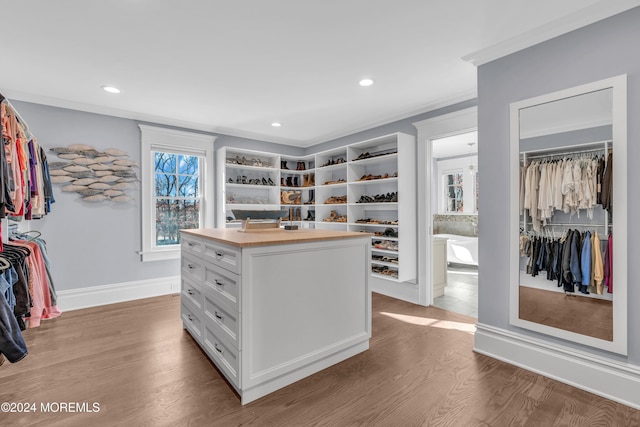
(271, 182)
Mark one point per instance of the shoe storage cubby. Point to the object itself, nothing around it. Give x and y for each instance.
(367, 186)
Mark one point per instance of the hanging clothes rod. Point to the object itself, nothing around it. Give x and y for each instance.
(562, 224)
(565, 154)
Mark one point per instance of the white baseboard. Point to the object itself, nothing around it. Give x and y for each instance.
(75, 299)
(608, 378)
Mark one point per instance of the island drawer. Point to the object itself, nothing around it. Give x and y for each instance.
(222, 256)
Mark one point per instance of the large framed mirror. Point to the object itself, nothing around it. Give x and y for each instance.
(568, 268)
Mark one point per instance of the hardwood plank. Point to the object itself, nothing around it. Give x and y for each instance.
(137, 362)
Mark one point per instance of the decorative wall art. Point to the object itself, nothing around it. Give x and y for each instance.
(97, 176)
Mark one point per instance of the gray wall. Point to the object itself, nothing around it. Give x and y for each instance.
(96, 244)
(605, 49)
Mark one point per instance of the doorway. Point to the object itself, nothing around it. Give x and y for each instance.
(448, 179)
(454, 220)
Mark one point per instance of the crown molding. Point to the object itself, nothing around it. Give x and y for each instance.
(590, 14)
(194, 126)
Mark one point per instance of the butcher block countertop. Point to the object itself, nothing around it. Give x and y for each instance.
(267, 237)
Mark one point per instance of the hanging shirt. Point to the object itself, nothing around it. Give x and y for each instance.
(597, 271)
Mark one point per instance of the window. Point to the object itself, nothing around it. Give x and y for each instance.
(177, 188)
(177, 197)
(453, 200)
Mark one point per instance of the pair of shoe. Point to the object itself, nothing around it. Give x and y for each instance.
(290, 197)
(379, 198)
(292, 181)
(301, 166)
(370, 177)
(308, 180)
(336, 200)
(311, 215)
(332, 162)
(311, 200)
(334, 217)
(388, 245)
(337, 181)
(294, 214)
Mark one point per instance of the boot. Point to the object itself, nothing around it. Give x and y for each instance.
(311, 197)
(295, 181)
(312, 179)
(289, 183)
(303, 166)
(283, 164)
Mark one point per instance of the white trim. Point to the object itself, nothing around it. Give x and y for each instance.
(75, 299)
(619, 113)
(442, 126)
(619, 382)
(590, 14)
(204, 127)
(172, 140)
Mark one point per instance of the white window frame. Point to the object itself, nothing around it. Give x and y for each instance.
(444, 194)
(179, 142)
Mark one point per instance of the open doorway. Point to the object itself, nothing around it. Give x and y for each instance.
(454, 220)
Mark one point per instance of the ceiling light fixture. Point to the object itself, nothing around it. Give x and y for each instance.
(366, 82)
(111, 89)
(276, 124)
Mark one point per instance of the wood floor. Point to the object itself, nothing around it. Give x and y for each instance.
(582, 315)
(137, 363)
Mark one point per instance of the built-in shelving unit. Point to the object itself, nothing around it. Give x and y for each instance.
(367, 186)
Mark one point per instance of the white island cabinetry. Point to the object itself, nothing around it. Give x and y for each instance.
(272, 307)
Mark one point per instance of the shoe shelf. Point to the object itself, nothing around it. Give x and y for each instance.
(377, 176)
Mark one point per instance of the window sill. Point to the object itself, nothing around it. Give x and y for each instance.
(160, 254)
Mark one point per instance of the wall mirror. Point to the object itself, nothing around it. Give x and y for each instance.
(568, 184)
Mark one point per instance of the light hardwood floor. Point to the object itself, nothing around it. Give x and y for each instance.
(137, 363)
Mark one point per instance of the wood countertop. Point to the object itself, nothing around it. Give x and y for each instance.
(279, 236)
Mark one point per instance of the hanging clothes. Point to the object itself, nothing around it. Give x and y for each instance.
(24, 171)
(597, 271)
(608, 264)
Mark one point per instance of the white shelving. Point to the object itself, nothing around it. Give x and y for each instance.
(373, 179)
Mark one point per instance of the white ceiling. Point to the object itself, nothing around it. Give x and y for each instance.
(455, 145)
(234, 67)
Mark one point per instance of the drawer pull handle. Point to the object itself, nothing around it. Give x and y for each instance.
(189, 291)
(191, 266)
(218, 316)
(219, 255)
(190, 244)
(218, 349)
(190, 318)
(219, 283)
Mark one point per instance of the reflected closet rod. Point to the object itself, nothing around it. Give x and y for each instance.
(565, 154)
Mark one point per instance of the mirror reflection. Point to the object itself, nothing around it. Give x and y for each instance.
(565, 208)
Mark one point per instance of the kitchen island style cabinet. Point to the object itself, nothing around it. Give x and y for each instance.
(270, 307)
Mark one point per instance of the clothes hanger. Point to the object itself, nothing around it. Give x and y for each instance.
(4, 264)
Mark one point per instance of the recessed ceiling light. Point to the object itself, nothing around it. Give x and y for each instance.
(366, 82)
(111, 89)
(276, 124)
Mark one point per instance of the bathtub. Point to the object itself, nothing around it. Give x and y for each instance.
(461, 249)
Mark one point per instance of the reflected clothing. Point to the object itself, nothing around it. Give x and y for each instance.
(597, 271)
(585, 263)
(608, 265)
